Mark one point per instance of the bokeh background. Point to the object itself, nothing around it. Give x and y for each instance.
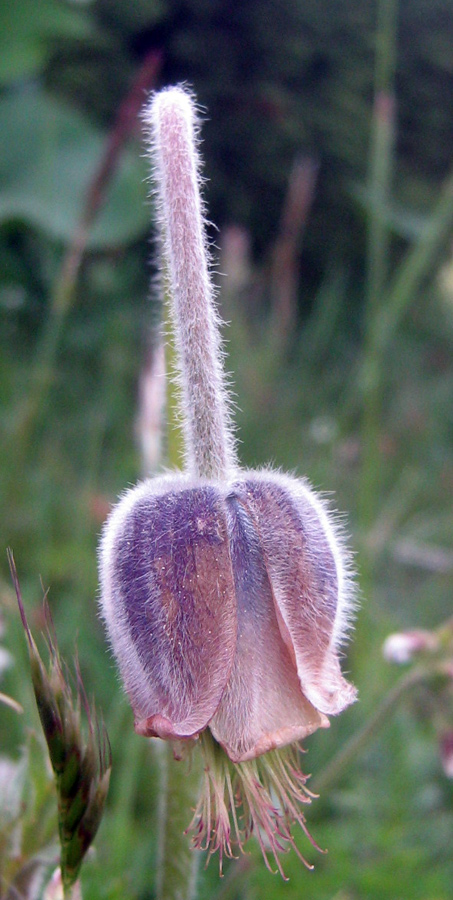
(327, 138)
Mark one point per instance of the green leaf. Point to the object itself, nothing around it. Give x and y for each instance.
(48, 156)
(29, 30)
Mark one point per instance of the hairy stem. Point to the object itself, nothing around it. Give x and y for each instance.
(172, 127)
(177, 863)
(201, 405)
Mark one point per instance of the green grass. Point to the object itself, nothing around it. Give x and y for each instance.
(382, 444)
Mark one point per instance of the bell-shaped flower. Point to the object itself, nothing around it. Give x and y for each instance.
(226, 593)
(225, 604)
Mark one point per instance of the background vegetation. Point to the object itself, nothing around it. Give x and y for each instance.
(328, 153)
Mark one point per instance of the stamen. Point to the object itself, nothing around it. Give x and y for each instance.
(261, 796)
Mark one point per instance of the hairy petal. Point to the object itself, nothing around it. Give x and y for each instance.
(263, 706)
(310, 585)
(168, 599)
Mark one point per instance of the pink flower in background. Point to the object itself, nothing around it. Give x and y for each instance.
(446, 752)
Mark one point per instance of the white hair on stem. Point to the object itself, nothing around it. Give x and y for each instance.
(172, 127)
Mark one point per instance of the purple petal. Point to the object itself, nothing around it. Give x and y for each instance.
(304, 562)
(168, 598)
(263, 706)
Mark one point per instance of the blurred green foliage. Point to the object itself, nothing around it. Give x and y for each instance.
(49, 154)
(278, 80)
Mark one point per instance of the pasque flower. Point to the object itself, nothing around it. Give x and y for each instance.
(226, 593)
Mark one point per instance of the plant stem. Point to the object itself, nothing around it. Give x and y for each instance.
(417, 263)
(175, 443)
(172, 129)
(381, 165)
(387, 301)
(44, 364)
(200, 403)
(358, 741)
(177, 863)
(74, 892)
(63, 294)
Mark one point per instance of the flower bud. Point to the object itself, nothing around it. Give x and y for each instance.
(446, 752)
(401, 647)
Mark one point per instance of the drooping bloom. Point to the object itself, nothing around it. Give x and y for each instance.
(226, 593)
(226, 604)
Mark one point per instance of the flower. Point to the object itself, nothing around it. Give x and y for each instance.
(446, 752)
(226, 603)
(226, 593)
(403, 646)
